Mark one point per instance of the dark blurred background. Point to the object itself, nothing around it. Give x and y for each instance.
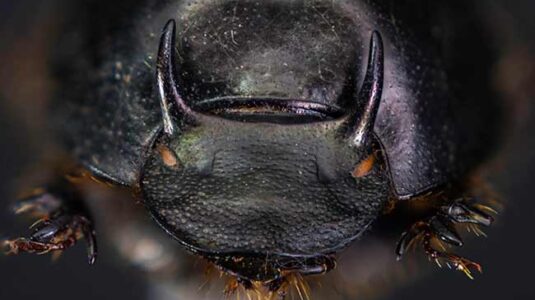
(507, 253)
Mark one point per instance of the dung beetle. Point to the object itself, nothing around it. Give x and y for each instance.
(267, 136)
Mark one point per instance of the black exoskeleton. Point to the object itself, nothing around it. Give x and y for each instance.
(267, 136)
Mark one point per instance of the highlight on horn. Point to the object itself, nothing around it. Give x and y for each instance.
(362, 120)
(170, 98)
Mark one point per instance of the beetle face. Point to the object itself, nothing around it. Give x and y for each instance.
(241, 189)
(262, 186)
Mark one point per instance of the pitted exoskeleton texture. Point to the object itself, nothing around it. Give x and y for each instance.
(263, 188)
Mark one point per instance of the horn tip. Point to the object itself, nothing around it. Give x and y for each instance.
(376, 40)
(376, 35)
(170, 25)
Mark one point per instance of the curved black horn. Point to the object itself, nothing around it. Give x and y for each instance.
(362, 119)
(167, 84)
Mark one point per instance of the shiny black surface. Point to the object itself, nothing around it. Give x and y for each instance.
(425, 123)
(508, 256)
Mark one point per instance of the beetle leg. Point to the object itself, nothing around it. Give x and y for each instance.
(445, 231)
(409, 237)
(430, 231)
(441, 228)
(462, 212)
(452, 260)
(60, 225)
(434, 226)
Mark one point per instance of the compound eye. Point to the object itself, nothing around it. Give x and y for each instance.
(364, 167)
(168, 157)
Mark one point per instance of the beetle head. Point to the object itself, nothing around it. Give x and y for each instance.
(264, 185)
